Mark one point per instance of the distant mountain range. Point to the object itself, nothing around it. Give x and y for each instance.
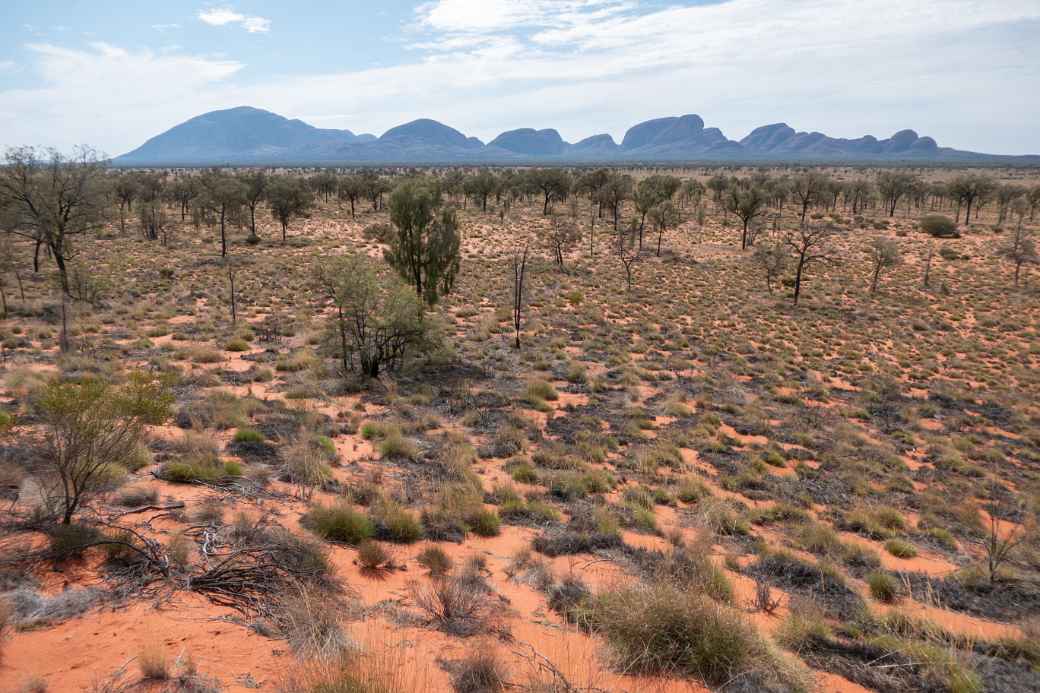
(247, 136)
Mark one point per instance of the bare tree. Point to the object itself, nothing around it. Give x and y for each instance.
(561, 236)
(928, 265)
(628, 251)
(811, 245)
(519, 275)
(772, 257)
(998, 546)
(231, 270)
(1020, 249)
(884, 253)
(51, 198)
(808, 189)
(125, 188)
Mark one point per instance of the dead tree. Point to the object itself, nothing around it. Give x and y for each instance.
(811, 245)
(519, 274)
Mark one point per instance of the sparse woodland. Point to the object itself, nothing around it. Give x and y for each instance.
(740, 429)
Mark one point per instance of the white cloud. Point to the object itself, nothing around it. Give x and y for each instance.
(165, 27)
(7, 66)
(952, 70)
(108, 96)
(220, 16)
(257, 25)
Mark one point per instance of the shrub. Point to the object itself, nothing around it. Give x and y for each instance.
(70, 541)
(900, 548)
(153, 664)
(939, 226)
(691, 490)
(805, 625)
(372, 555)
(524, 473)
(435, 560)
(191, 471)
(304, 618)
(883, 587)
(339, 522)
(248, 435)
(396, 446)
(693, 569)
(457, 605)
(237, 345)
(394, 523)
(485, 523)
(661, 629)
(93, 426)
(136, 496)
(541, 389)
(480, 672)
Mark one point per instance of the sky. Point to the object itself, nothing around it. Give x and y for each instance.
(112, 74)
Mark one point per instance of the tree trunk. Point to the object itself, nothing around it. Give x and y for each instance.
(223, 237)
(798, 279)
(63, 273)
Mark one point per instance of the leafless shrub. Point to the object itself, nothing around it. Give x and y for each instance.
(453, 604)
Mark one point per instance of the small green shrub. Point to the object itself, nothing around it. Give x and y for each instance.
(248, 435)
(883, 587)
(485, 523)
(339, 522)
(900, 548)
(394, 523)
(435, 560)
(661, 629)
(237, 345)
(939, 226)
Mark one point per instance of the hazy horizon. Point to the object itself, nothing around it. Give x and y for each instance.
(961, 71)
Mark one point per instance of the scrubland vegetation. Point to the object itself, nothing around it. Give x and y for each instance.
(538, 429)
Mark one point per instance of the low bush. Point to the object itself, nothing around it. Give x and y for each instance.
(248, 435)
(663, 630)
(485, 523)
(900, 548)
(372, 555)
(71, 541)
(394, 523)
(883, 587)
(939, 226)
(435, 560)
(480, 672)
(339, 522)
